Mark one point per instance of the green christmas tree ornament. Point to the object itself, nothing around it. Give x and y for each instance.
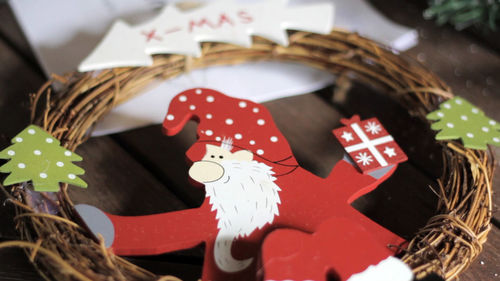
(37, 156)
(459, 119)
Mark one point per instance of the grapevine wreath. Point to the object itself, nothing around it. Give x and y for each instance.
(63, 250)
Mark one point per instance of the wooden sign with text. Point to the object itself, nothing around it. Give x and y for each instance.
(176, 32)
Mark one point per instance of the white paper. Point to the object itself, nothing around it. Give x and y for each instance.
(141, 111)
(63, 32)
(359, 16)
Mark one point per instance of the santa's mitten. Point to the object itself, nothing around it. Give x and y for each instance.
(282, 257)
(392, 269)
(97, 222)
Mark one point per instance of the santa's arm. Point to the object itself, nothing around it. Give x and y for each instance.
(353, 183)
(150, 234)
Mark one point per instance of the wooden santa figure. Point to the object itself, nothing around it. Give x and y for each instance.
(265, 217)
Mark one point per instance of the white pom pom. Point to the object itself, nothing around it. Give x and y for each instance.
(389, 269)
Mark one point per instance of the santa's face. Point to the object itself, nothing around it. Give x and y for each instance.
(210, 169)
(243, 194)
(245, 197)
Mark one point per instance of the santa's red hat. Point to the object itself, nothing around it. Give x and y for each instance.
(248, 124)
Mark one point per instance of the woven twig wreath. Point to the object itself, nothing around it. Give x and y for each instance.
(62, 250)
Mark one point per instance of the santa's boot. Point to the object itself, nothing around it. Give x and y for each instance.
(339, 248)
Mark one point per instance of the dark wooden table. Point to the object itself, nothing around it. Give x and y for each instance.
(127, 175)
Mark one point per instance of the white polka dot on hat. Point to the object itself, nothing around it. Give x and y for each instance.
(248, 124)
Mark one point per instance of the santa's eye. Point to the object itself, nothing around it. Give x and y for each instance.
(220, 156)
(212, 156)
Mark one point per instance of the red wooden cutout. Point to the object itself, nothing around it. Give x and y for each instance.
(369, 144)
(254, 186)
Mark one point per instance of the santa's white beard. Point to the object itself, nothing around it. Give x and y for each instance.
(245, 198)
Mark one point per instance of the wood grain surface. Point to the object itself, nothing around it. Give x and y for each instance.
(144, 172)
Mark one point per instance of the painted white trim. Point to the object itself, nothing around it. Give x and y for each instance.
(374, 142)
(367, 143)
(390, 269)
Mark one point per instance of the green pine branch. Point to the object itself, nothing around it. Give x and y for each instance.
(484, 14)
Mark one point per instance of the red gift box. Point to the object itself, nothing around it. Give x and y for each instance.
(369, 144)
